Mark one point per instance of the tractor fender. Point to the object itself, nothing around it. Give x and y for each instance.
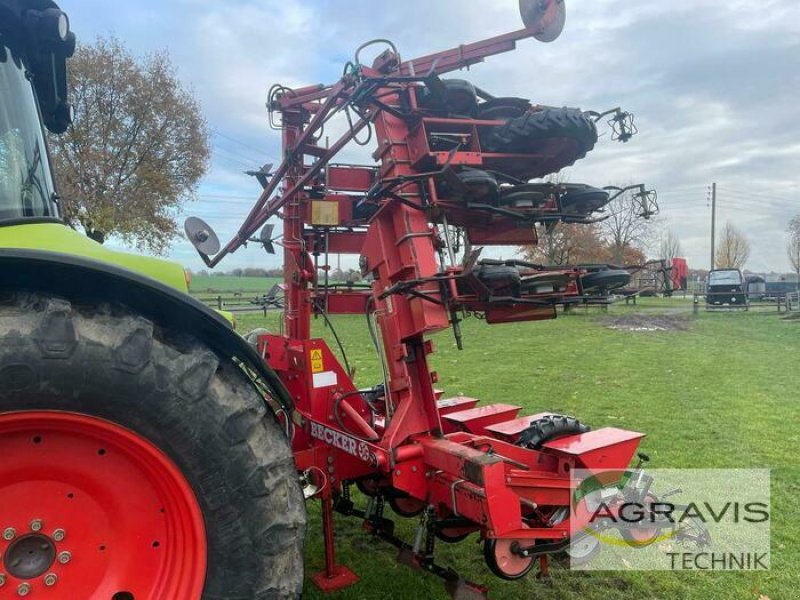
(81, 279)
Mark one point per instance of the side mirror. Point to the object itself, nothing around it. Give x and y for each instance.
(546, 18)
(50, 44)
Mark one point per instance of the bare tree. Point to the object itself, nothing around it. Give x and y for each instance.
(137, 149)
(733, 249)
(670, 245)
(793, 247)
(625, 229)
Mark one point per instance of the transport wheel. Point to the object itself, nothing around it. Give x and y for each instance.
(502, 559)
(561, 136)
(137, 464)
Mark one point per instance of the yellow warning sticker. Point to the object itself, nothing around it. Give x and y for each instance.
(316, 361)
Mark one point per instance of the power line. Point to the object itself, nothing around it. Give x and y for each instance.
(217, 132)
(766, 196)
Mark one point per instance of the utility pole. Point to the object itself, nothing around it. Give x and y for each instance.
(713, 223)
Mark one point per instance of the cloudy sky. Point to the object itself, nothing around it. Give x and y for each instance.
(714, 84)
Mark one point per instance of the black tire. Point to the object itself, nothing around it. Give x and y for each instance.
(501, 280)
(563, 135)
(457, 97)
(549, 428)
(604, 281)
(582, 200)
(197, 407)
(526, 195)
(481, 186)
(503, 109)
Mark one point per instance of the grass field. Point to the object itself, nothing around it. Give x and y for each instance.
(719, 392)
(229, 283)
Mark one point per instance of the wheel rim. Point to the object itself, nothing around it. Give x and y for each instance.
(507, 562)
(583, 548)
(638, 535)
(112, 516)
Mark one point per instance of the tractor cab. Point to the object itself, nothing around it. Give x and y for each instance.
(35, 42)
(26, 185)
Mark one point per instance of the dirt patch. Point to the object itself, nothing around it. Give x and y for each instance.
(649, 323)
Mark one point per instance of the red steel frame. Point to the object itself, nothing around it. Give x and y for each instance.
(461, 464)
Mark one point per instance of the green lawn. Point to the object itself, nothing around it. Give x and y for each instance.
(722, 393)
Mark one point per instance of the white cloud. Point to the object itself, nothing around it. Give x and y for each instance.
(713, 86)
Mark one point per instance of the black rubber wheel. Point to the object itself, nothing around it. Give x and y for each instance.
(604, 281)
(526, 195)
(561, 135)
(502, 280)
(549, 428)
(582, 200)
(198, 408)
(481, 186)
(458, 97)
(498, 109)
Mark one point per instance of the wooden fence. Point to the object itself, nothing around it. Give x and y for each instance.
(242, 301)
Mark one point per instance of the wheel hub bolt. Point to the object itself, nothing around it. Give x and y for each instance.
(23, 589)
(36, 525)
(64, 557)
(59, 535)
(9, 533)
(50, 579)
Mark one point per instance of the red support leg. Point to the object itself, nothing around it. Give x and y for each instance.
(334, 577)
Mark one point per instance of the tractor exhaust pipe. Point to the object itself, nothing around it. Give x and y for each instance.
(545, 18)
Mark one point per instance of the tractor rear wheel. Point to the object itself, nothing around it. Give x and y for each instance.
(137, 464)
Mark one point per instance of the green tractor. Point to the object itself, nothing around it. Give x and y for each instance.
(141, 453)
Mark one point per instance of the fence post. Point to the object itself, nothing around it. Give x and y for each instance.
(219, 302)
(696, 305)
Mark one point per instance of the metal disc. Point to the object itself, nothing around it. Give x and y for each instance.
(545, 17)
(201, 236)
